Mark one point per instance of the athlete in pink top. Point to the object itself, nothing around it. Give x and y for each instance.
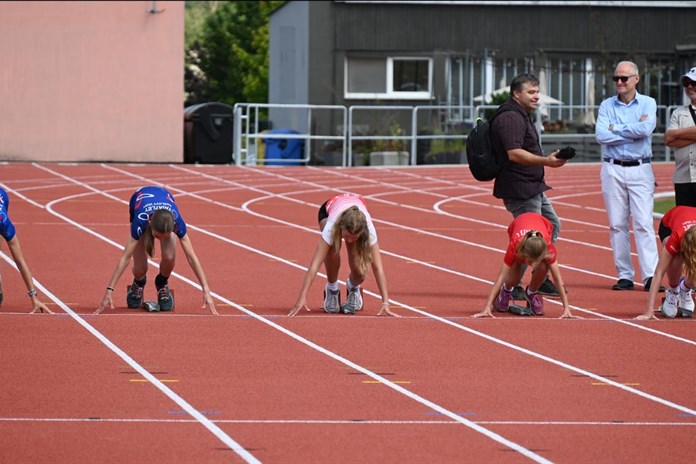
(530, 243)
(678, 253)
(345, 218)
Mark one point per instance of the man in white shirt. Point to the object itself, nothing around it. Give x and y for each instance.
(681, 135)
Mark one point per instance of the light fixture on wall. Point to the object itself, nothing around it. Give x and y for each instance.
(154, 9)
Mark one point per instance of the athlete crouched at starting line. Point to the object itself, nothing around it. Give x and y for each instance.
(530, 243)
(154, 215)
(9, 233)
(345, 218)
(678, 234)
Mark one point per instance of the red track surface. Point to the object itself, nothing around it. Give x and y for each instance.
(255, 385)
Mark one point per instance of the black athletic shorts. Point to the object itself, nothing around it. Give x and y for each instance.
(663, 232)
(323, 214)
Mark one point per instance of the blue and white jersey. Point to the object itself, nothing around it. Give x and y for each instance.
(7, 229)
(147, 200)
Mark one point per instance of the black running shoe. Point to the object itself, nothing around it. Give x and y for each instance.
(165, 299)
(134, 297)
(548, 288)
(518, 293)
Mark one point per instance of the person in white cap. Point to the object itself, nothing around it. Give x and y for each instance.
(681, 135)
(625, 124)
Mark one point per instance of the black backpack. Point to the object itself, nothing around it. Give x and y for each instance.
(484, 163)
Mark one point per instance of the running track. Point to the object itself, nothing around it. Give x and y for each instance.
(253, 385)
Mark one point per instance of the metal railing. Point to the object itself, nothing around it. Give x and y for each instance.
(352, 132)
(247, 137)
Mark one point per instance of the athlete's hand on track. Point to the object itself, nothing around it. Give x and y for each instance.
(107, 300)
(484, 313)
(39, 307)
(385, 309)
(208, 301)
(299, 305)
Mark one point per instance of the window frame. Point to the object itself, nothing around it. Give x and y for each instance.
(390, 93)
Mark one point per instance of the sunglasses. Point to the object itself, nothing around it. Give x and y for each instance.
(688, 83)
(623, 79)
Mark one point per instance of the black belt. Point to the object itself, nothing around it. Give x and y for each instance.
(627, 163)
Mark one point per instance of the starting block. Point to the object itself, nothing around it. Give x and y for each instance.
(151, 306)
(520, 310)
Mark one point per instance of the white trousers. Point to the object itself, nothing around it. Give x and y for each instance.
(629, 193)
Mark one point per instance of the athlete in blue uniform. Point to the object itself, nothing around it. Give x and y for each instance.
(9, 233)
(154, 215)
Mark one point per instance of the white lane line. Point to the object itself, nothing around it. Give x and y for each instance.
(267, 195)
(437, 407)
(434, 406)
(351, 422)
(538, 355)
(193, 412)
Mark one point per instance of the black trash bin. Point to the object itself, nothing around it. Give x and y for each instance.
(208, 133)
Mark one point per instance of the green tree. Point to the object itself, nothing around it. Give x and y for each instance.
(195, 80)
(227, 51)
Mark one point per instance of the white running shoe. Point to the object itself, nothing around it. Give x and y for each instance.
(686, 303)
(669, 306)
(354, 302)
(332, 300)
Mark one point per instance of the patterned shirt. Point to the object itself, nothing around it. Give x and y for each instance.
(147, 200)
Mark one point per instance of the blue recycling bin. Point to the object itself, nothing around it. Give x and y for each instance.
(279, 151)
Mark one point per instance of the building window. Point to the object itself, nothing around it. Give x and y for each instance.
(388, 78)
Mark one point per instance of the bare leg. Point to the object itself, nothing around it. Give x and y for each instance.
(168, 250)
(538, 276)
(139, 261)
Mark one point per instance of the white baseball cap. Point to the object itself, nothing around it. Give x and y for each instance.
(690, 75)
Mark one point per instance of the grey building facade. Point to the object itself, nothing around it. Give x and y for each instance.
(456, 53)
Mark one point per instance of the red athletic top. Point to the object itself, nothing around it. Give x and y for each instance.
(517, 230)
(678, 220)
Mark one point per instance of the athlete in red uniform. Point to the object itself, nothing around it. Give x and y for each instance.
(677, 254)
(530, 243)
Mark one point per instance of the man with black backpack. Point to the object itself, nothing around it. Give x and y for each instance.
(520, 182)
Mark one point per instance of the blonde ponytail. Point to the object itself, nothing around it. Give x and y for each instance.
(354, 222)
(532, 246)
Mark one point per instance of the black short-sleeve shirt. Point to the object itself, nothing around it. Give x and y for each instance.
(513, 128)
